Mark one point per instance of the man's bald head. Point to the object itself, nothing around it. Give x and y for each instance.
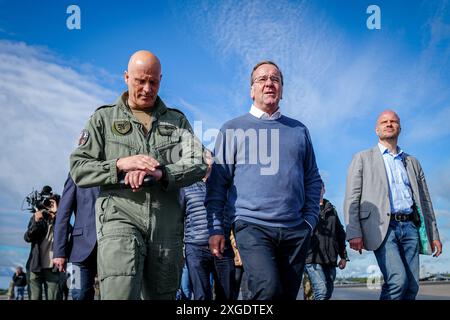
(388, 126)
(143, 79)
(143, 58)
(388, 113)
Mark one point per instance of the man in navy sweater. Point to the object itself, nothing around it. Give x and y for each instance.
(265, 170)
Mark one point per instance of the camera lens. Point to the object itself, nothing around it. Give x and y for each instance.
(46, 202)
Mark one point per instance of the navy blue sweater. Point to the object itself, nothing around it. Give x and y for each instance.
(266, 171)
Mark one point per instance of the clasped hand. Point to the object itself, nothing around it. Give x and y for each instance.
(136, 168)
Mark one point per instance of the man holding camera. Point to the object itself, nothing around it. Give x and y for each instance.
(40, 235)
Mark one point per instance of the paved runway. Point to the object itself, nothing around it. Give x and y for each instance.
(427, 291)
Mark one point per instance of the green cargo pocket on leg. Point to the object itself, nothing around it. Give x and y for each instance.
(120, 253)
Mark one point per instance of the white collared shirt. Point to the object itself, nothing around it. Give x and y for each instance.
(258, 113)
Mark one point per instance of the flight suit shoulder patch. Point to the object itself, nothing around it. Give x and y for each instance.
(84, 137)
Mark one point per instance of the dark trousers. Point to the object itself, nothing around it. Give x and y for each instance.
(83, 277)
(239, 272)
(273, 258)
(47, 279)
(201, 264)
(241, 286)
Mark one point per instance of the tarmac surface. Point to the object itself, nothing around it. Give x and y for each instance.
(427, 291)
(439, 290)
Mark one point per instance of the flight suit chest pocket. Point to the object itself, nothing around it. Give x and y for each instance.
(167, 142)
(118, 147)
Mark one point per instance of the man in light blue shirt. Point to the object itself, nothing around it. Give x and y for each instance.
(399, 187)
(385, 188)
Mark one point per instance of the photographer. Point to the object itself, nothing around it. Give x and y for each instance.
(40, 235)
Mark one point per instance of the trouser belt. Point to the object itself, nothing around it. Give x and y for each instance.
(401, 217)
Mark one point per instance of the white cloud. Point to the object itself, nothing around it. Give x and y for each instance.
(44, 105)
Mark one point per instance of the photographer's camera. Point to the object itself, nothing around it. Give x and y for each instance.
(41, 201)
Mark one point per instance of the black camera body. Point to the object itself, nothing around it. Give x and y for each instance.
(41, 200)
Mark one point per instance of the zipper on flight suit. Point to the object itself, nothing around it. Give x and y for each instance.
(148, 196)
(144, 139)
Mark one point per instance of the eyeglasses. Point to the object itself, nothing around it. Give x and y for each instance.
(263, 79)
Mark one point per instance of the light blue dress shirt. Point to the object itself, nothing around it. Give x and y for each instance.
(399, 187)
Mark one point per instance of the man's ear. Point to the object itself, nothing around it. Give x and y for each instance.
(126, 76)
(252, 93)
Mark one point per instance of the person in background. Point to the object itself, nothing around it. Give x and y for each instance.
(327, 243)
(40, 265)
(386, 204)
(20, 282)
(10, 293)
(80, 245)
(240, 285)
(185, 290)
(201, 263)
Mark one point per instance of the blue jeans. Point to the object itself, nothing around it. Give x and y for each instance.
(83, 278)
(273, 258)
(186, 292)
(322, 280)
(201, 264)
(398, 259)
(19, 292)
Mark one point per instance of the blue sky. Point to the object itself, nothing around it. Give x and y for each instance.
(339, 76)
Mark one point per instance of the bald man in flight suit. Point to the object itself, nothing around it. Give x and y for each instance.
(139, 228)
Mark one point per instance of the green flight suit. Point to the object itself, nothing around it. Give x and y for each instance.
(140, 234)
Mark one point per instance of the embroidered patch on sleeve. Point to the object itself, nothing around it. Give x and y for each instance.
(84, 136)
